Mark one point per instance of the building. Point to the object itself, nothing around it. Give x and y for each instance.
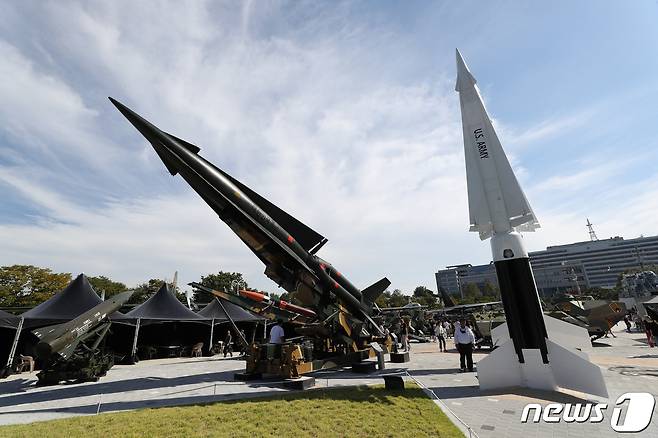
(565, 268)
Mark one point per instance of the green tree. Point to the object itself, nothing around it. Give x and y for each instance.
(103, 284)
(472, 294)
(490, 290)
(383, 300)
(28, 286)
(144, 291)
(398, 299)
(221, 281)
(425, 297)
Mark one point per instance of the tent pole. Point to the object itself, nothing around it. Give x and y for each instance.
(265, 331)
(212, 331)
(253, 333)
(12, 352)
(235, 327)
(134, 350)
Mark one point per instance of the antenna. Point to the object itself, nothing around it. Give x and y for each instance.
(592, 233)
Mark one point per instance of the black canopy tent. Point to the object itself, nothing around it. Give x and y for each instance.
(69, 303)
(10, 327)
(215, 310)
(76, 298)
(159, 321)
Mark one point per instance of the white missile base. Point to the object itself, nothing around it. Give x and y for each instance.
(498, 209)
(569, 365)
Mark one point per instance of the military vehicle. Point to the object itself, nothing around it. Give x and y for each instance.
(72, 351)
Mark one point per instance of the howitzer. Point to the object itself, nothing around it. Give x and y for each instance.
(71, 351)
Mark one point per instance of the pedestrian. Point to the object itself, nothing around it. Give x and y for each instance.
(448, 327)
(441, 336)
(648, 332)
(404, 327)
(653, 328)
(228, 344)
(464, 341)
(628, 323)
(277, 335)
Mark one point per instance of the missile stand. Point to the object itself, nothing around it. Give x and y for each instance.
(305, 354)
(87, 363)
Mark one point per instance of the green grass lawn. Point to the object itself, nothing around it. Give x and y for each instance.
(344, 412)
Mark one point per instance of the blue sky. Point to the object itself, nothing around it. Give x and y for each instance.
(342, 113)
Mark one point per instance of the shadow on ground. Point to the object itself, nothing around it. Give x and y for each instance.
(360, 394)
(144, 383)
(469, 391)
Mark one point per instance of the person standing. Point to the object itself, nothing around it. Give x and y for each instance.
(277, 335)
(648, 333)
(464, 341)
(441, 335)
(628, 323)
(228, 344)
(449, 328)
(404, 330)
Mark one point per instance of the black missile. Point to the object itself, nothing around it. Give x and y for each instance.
(285, 245)
(62, 339)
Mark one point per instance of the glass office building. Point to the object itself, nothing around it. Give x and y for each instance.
(565, 268)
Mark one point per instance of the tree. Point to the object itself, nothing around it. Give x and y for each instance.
(472, 294)
(425, 297)
(222, 281)
(398, 299)
(383, 300)
(28, 286)
(490, 290)
(103, 284)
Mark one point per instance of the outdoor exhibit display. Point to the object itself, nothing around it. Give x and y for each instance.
(342, 329)
(72, 351)
(534, 350)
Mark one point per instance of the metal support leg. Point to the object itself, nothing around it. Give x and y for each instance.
(12, 352)
(134, 350)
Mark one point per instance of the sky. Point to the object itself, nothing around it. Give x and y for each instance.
(342, 113)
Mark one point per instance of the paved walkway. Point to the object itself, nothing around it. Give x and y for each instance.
(629, 366)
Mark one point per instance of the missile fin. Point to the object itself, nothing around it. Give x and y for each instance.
(372, 292)
(51, 331)
(171, 167)
(68, 351)
(302, 233)
(189, 146)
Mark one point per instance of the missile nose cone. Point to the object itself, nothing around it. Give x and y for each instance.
(146, 128)
(464, 76)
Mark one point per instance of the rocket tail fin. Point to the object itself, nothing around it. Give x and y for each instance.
(568, 368)
(302, 233)
(372, 292)
(68, 350)
(51, 331)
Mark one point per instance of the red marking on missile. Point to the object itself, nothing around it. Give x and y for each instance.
(335, 285)
(337, 273)
(256, 296)
(290, 239)
(323, 266)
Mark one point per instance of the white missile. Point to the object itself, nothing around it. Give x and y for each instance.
(534, 350)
